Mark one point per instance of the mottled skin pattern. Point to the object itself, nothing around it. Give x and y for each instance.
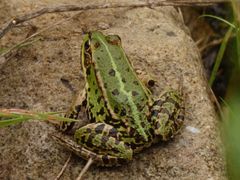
(123, 117)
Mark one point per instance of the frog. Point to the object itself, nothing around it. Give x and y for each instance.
(123, 115)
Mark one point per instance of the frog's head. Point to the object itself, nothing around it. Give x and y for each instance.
(95, 42)
(97, 39)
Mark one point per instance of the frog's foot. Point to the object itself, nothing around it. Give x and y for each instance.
(145, 78)
(167, 115)
(78, 103)
(101, 142)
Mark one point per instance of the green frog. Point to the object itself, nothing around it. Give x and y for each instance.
(124, 117)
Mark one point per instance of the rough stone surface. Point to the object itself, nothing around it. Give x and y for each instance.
(45, 75)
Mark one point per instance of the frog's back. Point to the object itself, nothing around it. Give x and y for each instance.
(115, 74)
(126, 95)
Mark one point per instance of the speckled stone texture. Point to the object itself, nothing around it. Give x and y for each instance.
(45, 75)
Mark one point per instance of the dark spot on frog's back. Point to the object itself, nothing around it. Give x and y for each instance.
(135, 82)
(111, 72)
(101, 112)
(143, 124)
(99, 99)
(123, 112)
(134, 93)
(115, 92)
(123, 80)
(116, 110)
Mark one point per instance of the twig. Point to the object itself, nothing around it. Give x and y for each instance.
(66, 8)
(64, 167)
(37, 33)
(84, 170)
(212, 43)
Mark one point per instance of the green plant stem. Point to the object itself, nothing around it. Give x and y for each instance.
(8, 122)
(220, 56)
(220, 19)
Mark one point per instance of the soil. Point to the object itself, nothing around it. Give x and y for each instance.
(45, 75)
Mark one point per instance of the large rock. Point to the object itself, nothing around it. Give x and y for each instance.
(44, 76)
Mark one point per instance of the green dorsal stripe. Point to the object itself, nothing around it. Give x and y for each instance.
(133, 106)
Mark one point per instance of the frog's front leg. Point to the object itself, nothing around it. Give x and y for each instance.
(102, 142)
(73, 112)
(167, 115)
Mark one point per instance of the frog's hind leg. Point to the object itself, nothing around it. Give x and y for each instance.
(167, 115)
(79, 101)
(103, 143)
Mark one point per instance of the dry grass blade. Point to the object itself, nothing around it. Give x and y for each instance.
(35, 34)
(64, 167)
(84, 170)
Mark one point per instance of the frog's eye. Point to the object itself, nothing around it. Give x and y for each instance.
(87, 45)
(114, 40)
